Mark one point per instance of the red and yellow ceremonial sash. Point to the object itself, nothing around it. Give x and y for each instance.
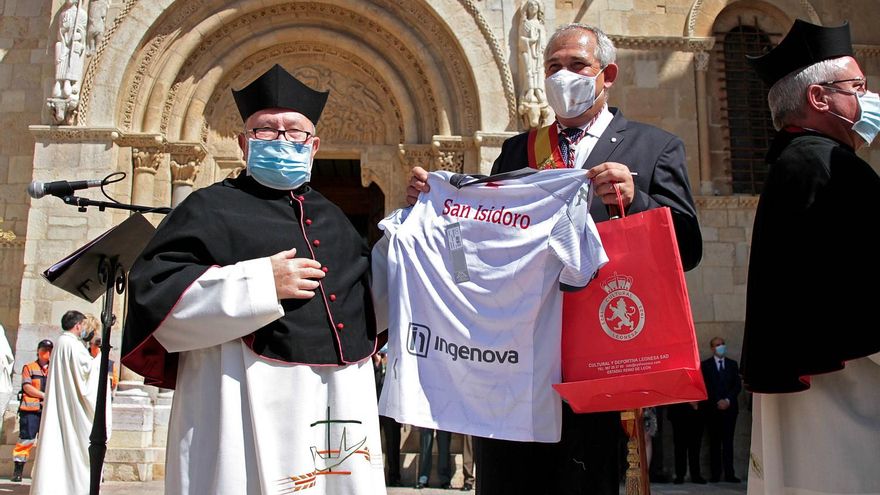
(543, 148)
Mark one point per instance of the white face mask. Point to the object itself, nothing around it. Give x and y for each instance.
(570, 94)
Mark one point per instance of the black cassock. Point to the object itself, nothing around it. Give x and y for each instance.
(237, 220)
(812, 296)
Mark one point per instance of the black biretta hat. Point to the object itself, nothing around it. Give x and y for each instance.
(278, 89)
(804, 45)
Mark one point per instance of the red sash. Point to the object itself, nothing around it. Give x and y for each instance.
(543, 148)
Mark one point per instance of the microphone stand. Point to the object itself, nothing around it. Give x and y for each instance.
(83, 203)
(112, 274)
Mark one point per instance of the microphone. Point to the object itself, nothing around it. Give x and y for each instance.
(60, 188)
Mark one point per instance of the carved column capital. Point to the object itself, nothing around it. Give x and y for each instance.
(413, 155)
(184, 169)
(146, 160)
(186, 160)
(701, 61)
(449, 152)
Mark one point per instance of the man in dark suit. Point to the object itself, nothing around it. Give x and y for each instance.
(721, 375)
(647, 165)
(687, 436)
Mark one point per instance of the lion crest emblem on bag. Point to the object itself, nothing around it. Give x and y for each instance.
(621, 314)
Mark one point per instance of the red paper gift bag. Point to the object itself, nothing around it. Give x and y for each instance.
(628, 338)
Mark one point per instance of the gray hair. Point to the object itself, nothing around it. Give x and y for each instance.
(787, 97)
(605, 51)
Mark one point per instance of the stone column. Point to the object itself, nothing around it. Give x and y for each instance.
(186, 160)
(487, 148)
(146, 156)
(701, 66)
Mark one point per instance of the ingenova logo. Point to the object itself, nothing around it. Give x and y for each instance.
(418, 340)
(418, 343)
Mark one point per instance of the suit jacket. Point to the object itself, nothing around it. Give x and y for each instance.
(658, 158)
(724, 384)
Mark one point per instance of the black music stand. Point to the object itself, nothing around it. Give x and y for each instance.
(98, 268)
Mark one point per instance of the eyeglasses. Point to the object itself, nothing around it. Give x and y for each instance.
(270, 134)
(859, 86)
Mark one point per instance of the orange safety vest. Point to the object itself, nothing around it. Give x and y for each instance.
(34, 374)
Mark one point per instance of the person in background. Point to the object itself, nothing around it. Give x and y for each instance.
(112, 367)
(30, 408)
(389, 427)
(7, 368)
(811, 349)
(426, 457)
(687, 437)
(723, 385)
(467, 463)
(62, 461)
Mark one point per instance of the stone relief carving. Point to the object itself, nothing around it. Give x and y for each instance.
(417, 155)
(92, 69)
(353, 113)
(533, 108)
(97, 24)
(70, 54)
(449, 153)
(6, 235)
(453, 161)
(362, 108)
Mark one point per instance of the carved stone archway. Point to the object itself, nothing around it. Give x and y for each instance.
(703, 13)
(400, 79)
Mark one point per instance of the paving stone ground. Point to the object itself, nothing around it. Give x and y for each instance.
(155, 488)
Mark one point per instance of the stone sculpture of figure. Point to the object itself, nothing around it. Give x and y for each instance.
(97, 16)
(532, 38)
(70, 50)
(533, 108)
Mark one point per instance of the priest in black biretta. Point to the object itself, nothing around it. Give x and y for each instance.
(278, 89)
(253, 301)
(815, 221)
(804, 45)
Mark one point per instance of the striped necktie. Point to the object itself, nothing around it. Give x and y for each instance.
(567, 138)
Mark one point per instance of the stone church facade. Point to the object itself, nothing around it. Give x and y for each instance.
(92, 87)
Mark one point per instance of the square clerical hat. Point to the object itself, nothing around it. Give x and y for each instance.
(804, 45)
(278, 89)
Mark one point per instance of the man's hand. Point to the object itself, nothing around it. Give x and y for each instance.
(723, 404)
(605, 175)
(295, 278)
(418, 183)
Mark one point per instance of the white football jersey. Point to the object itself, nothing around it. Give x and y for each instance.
(473, 275)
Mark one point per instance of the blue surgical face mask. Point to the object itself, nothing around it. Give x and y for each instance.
(868, 125)
(720, 350)
(279, 164)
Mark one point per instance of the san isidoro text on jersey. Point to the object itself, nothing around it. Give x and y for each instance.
(419, 343)
(487, 214)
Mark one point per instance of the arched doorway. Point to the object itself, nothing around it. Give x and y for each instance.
(339, 180)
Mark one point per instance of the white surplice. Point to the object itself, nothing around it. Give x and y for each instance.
(7, 363)
(62, 462)
(822, 441)
(243, 424)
